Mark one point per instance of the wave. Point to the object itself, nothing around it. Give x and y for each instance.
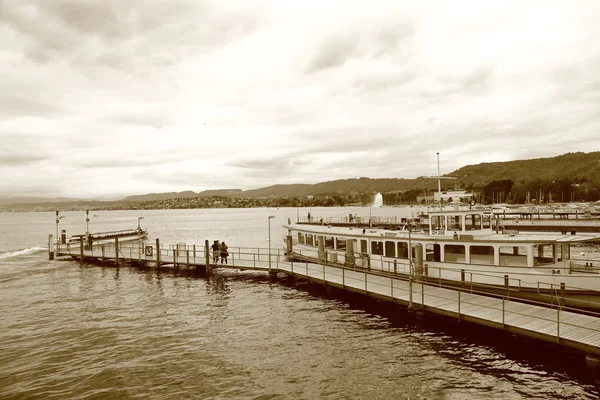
(22, 252)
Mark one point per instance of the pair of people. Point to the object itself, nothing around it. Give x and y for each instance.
(219, 250)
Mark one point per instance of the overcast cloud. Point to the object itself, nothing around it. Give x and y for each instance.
(119, 97)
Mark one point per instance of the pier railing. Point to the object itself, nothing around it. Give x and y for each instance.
(439, 276)
(180, 254)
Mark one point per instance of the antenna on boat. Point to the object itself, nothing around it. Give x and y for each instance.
(439, 181)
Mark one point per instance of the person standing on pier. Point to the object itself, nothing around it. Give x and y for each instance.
(216, 249)
(224, 253)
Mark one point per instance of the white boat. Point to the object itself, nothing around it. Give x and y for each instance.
(101, 238)
(461, 247)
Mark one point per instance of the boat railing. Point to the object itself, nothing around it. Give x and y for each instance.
(353, 220)
(583, 266)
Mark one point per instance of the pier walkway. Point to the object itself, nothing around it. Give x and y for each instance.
(560, 325)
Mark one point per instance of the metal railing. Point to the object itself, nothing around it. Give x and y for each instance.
(421, 294)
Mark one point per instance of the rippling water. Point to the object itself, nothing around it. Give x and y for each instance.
(75, 332)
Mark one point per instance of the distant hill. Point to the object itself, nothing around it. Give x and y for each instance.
(188, 194)
(340, 186)
(35, 200)
(161, 196)
(571, 166)
(567, 166)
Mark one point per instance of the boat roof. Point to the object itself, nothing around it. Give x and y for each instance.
(522, 237)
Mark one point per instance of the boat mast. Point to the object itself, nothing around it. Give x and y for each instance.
(439, 181)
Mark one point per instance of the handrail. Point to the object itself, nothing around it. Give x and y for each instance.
(472, 287)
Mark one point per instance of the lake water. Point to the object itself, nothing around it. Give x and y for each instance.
(91, 332)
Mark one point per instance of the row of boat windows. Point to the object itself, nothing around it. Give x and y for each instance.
(455, 222)
(452, 252)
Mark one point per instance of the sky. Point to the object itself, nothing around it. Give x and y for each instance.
(108, 98)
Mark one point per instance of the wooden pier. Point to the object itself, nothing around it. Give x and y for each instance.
(561, 325)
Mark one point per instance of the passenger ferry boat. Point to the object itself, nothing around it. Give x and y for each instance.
(459, 247)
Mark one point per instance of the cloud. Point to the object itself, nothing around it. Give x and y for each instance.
(119, 33)
(334, 53)
(155, 120)
(122, 96)
(12, 105)
(382, 81)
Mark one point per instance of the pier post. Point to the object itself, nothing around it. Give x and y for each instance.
(176, 255)
(350, 261)
(419, 259)
(157, 253)
(102, 253)
(289, 248)
(206, 256)
(116, 251)
(50, 248)
(187, 255)
(81, 249)
(321, 244)
(410, 292)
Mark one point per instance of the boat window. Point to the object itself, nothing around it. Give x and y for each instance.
(309, 239)
(377, 248)
(482, 255)
(390, 249)
(403, 250)
(487, 221)
(329, 242)
(513, 255)
(340, 244)
(432, 252)
(472, 222)
(454, 253)
(544, 254)
(454, 223)
(438, 222)
(364, 247)
(300, 238)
